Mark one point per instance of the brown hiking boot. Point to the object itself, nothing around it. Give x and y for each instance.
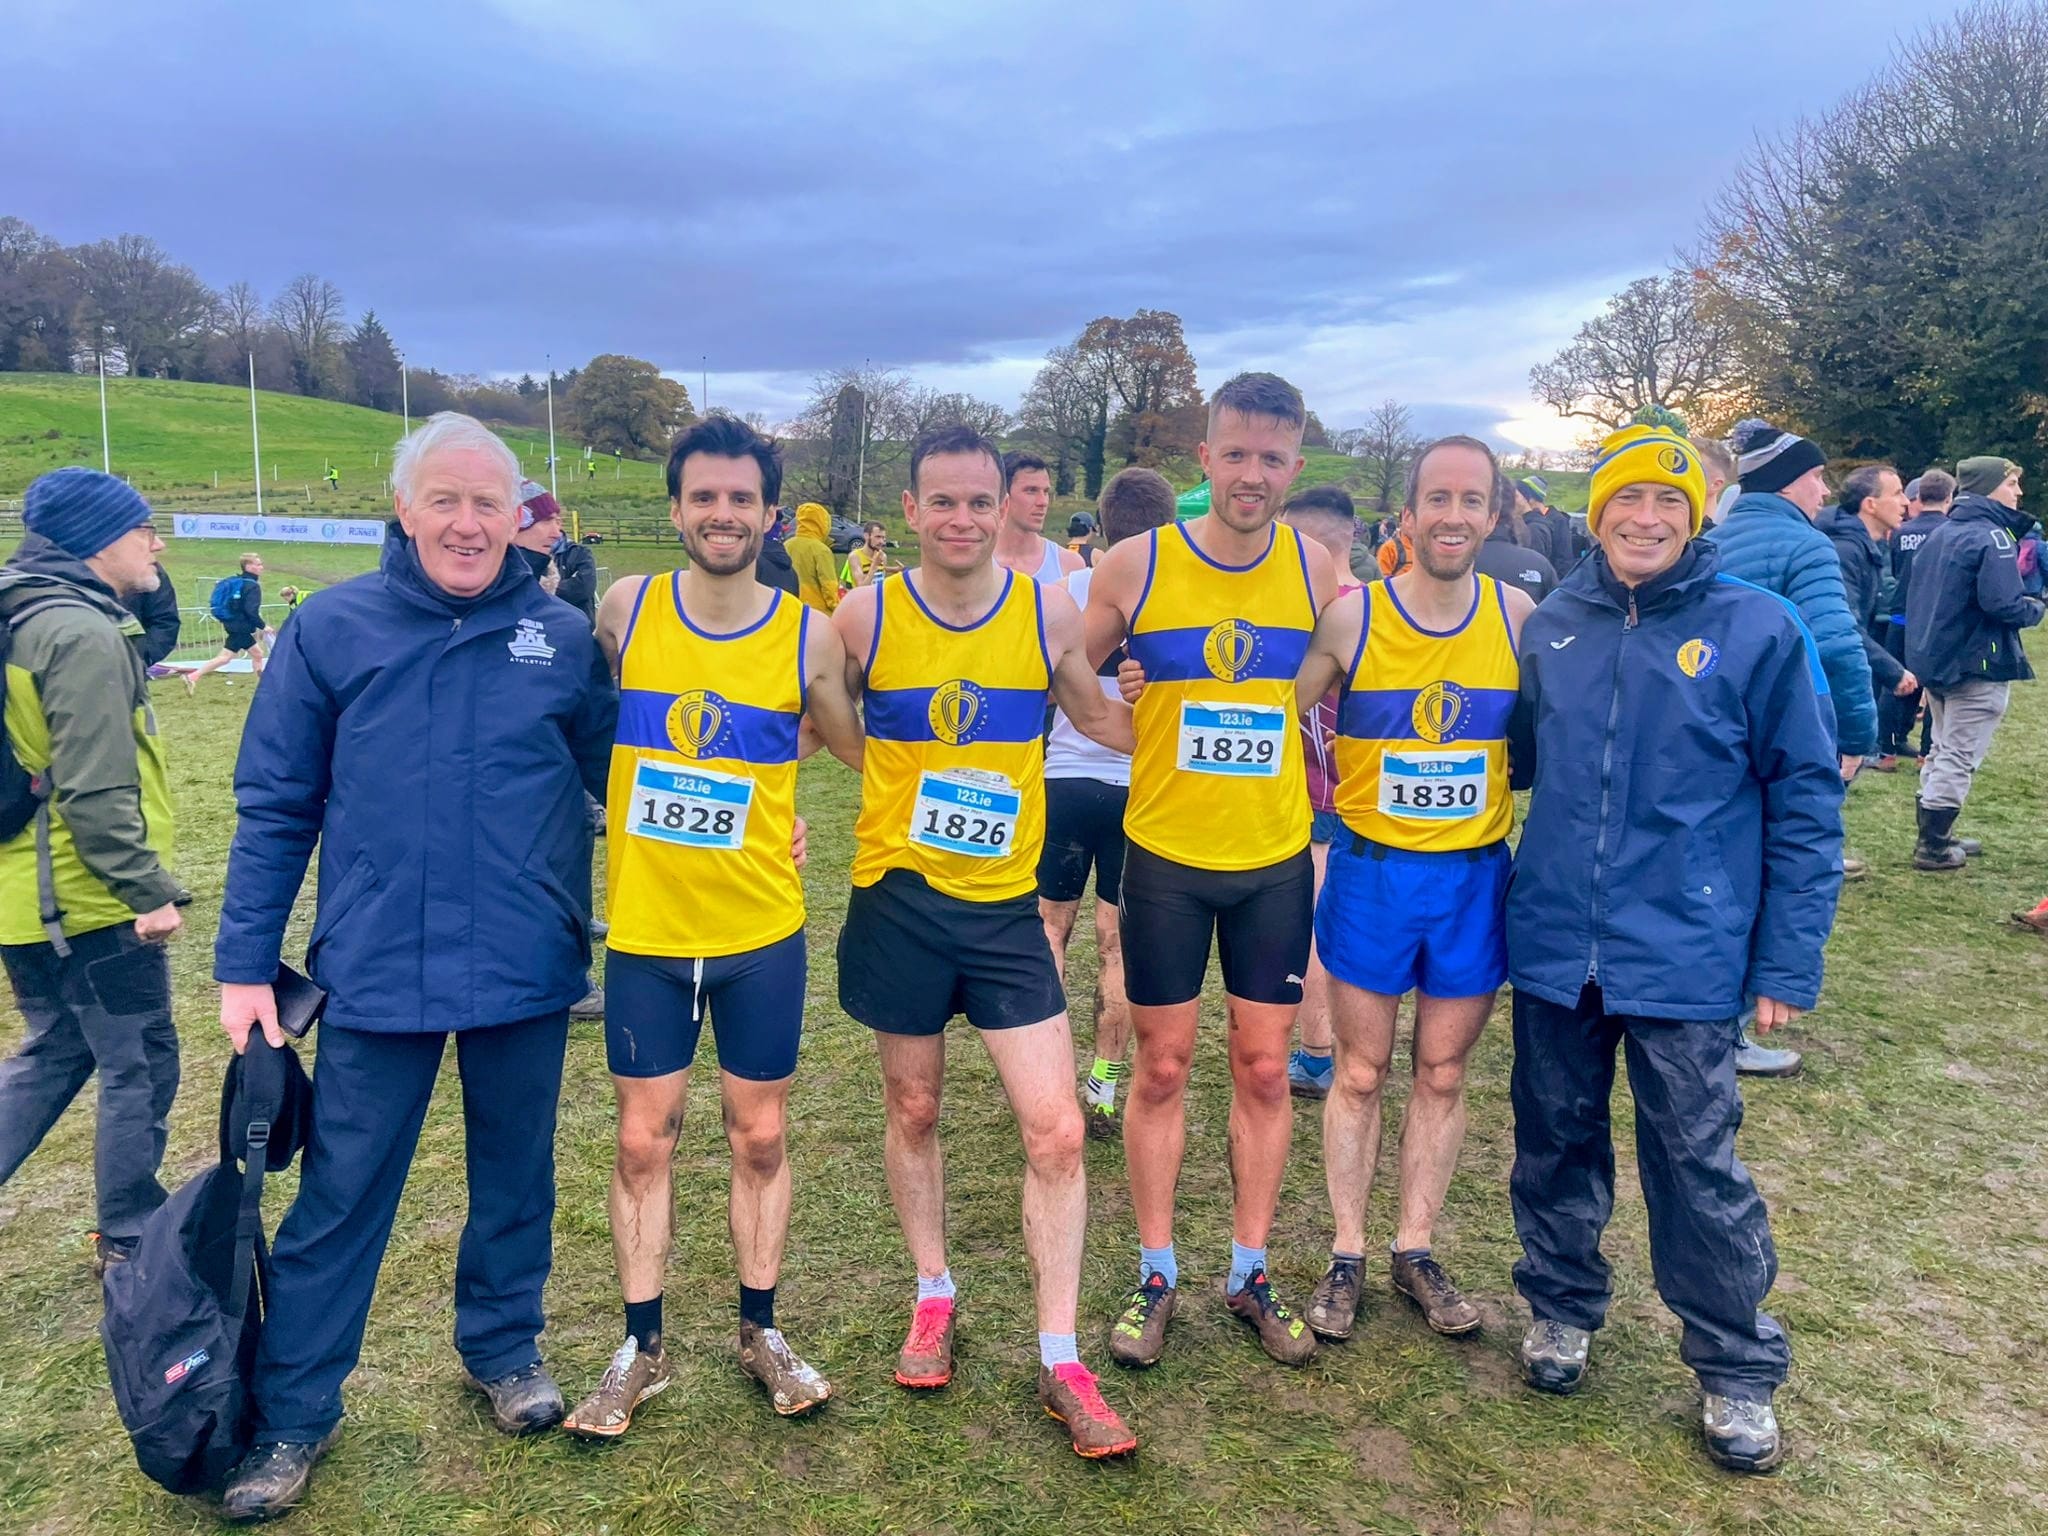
(1423, 1281)
(793, 1386)
(927, 1356)
(1333, 1304)
(634, 1376)
(1138, 1337)
(1070, 1395)
(1281, 1334)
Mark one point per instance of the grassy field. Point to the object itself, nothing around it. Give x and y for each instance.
(1905, 1171)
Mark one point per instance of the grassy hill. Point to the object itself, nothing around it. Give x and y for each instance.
(172, 439)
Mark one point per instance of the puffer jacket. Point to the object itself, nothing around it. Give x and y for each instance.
(1769, 542)
(438, 750)
(1683, 845)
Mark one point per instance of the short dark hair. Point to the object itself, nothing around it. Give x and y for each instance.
(1015, 464)
(1331, 501)
(1455, 440)
(726, 437)
(1259, 394)
(1937, 488)
(1862, 484)
(871, 525)
(953, 437)
(1135, 500)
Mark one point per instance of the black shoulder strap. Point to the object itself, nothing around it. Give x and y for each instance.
(248, 1223)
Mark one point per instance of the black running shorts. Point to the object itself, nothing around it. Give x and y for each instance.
(910, 958)
(1261, 920)
(1084, 827)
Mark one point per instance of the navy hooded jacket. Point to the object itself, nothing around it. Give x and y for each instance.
(1683, 844)
(438, 749)
(1967, 605)
(1768, 541)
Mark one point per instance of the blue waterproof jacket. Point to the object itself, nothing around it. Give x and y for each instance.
(1683, 844)
(438, 749)
(1769, 542)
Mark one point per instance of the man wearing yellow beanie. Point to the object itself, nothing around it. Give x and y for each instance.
(1681, 857)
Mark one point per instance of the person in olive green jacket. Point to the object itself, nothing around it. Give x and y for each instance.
(86, 898)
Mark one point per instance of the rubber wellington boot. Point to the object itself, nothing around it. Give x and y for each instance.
(1936, 850)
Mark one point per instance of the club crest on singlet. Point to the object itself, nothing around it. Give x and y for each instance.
(1230, 648)
(956, 712)
(694, 721)
(1439, 712)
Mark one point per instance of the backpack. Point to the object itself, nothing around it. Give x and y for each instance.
(21, 792)
(183, 1315)
(226, 602)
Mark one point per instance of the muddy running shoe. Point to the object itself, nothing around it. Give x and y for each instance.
(1741, 1436)
(590, 1006)
(634, 1376)
(1105, 1122)
(793, 1387)
(927, 1357)
(271, 1479)
(1333, 1304)
(523, 1402)
(1138, 1337)
(1309, 1077)
(1554, 1356)
(1283, 1335)
(1423, 1281)
(1070, 1395)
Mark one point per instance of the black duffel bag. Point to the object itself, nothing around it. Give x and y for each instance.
(183, 1314)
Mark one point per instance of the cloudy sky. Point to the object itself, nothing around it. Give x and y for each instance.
(1416, 200)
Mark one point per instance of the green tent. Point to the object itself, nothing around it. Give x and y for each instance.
(1192, 503)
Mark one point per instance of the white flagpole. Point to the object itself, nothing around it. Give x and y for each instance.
(551, 426)
(255, 441)
(106, 449)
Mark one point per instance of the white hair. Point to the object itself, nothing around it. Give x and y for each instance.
(450, 429)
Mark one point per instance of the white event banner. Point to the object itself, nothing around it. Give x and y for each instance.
(296, 530)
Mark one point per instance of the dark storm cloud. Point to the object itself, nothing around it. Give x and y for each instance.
(916, 183)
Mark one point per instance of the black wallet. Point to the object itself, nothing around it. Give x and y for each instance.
(299, 1002)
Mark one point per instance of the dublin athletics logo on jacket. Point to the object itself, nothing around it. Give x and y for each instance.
(529, 644)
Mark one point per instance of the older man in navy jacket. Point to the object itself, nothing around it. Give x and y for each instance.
(1681, 858)
(433, 727)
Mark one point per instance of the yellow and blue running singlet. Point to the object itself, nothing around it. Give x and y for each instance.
(954, 783)
(702, 799)
(1422, 755)
(1217, 781)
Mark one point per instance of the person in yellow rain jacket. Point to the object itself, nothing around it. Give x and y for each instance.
(810, 552)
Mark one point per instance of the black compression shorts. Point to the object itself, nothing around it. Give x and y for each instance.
(1084, 826)
(1261, 920)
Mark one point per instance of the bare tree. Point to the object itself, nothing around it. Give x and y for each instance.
(309, 312)
(1656, 344)
(1066, 411)
(138, 300)
(1386, 442)
(923, 409)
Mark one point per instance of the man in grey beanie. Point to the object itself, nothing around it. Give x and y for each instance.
(86, 899)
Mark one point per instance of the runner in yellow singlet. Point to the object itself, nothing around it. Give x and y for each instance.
(1218, 612)
(723, 682)
(1415, 896)
(955, 660)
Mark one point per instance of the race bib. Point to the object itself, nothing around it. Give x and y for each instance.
(690, 806)
(1243, 739)
(1433, 786)
(965, 811)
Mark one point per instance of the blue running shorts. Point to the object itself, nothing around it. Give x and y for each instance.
(1394, 922)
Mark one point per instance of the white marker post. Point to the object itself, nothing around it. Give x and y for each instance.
(255, 441)
(106, 449)
(551, 425)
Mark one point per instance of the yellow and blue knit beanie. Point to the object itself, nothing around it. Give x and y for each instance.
(1647, 455)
